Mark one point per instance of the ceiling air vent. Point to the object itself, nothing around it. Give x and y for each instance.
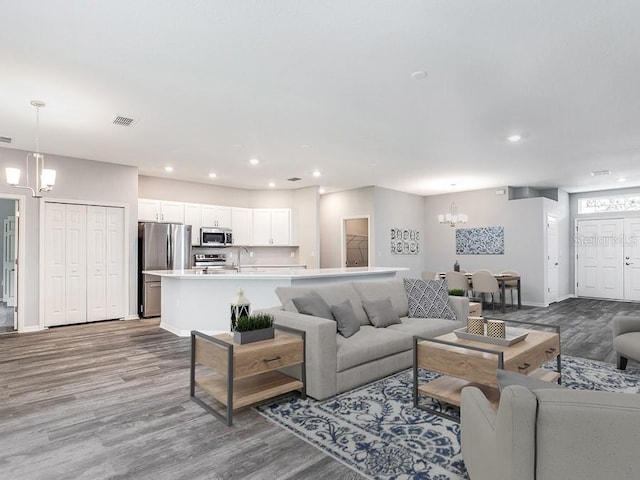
(294, 179)
(123, 121)
(5, 140)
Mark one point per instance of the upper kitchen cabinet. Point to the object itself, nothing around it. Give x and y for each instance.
(193, 217)
(241, 224)
(216, 216)
(160, 211)
(271, 226)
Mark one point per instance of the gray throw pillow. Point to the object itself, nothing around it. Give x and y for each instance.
(380, 312)
(348, 323)
(313, 304)
(506, 378)
(428, 299)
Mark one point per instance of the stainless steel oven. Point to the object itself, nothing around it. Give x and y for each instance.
(215, 237)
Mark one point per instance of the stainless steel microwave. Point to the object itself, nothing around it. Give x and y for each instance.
(215, 237)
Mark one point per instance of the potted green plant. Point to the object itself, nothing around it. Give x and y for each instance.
(252, 328)
(457, 292)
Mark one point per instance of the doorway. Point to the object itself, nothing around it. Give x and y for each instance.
(552, 259)
(8, 265)
(608, 258)
(355, 251)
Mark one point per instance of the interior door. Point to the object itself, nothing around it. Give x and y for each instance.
(632, 259)
(599, 248)
(552, 259)
(9, 261)
(115, 262)
(55, 264)
(96, 263)
(76, 264)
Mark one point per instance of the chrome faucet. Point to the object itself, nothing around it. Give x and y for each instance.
(240, 250)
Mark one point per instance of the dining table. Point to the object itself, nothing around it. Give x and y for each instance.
(502, 279)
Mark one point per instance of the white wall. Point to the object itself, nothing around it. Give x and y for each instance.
(334, 207)
(524, 230)
(80, 180)
(305, 225)
(395, 209)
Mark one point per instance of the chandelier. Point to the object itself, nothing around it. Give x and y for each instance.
(453, 217)
(45, 177)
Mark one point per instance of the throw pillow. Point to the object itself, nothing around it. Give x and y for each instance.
(428, 299)
(506, 378)
(313, 304)
(348, 323)
(380, 312)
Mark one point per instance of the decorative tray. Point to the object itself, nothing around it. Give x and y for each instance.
(513, 335)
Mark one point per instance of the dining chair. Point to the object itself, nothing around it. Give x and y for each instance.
(457, 280)
(484, 282)
(427, 275)
(510, 285)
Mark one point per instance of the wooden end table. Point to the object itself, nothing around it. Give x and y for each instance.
(463, 363)
(241, 375)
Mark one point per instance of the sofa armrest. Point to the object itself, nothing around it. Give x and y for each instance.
(625, 324)
(498, 445)
(321, 349)
(460, 306)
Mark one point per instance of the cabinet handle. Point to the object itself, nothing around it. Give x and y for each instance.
(267, 360)
(524, 367)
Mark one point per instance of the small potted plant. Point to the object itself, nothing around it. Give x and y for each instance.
(252, 328)
(457, 292)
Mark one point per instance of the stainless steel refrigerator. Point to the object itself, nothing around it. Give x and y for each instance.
(161, 246)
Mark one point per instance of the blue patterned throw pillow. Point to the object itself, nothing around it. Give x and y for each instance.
(428, 299)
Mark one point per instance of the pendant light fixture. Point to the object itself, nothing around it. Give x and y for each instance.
(45, 177)
(453, 217)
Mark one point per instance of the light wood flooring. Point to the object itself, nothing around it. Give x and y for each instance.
(110, 400)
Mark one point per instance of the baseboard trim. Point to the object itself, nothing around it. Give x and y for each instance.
(132, 317)
(185, 333)
(31, 329)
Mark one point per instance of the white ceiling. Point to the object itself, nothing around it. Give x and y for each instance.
(309, 84)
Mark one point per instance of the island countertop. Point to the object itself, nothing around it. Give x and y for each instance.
(266, 272)
(193, 300)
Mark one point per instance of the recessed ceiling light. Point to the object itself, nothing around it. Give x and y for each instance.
(212, 175)
(514, 138)
(168, 169)
(254, 161)
(622, 179)
(316, 173)
(419, 75)
(598, 173)
(272, 184)
(321, 191)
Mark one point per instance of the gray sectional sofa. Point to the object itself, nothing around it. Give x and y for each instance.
(336, 364)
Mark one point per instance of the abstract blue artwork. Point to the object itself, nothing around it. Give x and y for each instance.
(480, 241)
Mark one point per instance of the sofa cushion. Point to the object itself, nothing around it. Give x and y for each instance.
(348, 324)
(628, 344)
(393, 289)
(313, 304)
(425, 327)
(428, 299)
(380, 312)
(332, 294)
(369, 344)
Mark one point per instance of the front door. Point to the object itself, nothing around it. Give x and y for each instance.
(599, 248)
(632, 259)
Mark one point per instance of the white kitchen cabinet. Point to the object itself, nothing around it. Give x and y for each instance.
(160, 211)
(216, 216)
(84, 263)
(241, 225)
(193, 217)
(271, 226)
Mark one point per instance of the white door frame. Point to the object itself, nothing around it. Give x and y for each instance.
(21, 245)
(343, 239)
(552, 270)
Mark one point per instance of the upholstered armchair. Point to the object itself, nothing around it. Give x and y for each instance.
(626, 339)
(550, 434)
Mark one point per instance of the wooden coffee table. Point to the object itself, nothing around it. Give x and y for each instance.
(468, 362)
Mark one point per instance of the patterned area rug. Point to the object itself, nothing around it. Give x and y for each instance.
(376, 430)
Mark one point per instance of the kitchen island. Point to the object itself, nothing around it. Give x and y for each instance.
(195, 300)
